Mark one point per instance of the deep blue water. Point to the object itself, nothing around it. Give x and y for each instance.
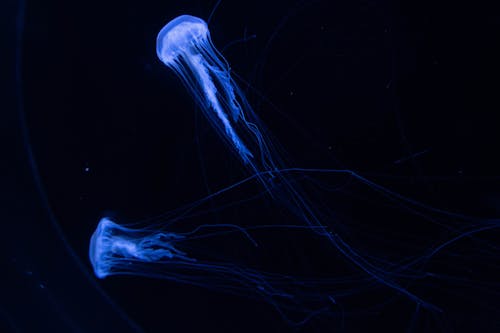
(95, 125)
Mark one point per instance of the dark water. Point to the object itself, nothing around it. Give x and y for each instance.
(95, 125)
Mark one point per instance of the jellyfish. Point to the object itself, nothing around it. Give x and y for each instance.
(113, 246)
(185, 46)
(116, 249)
(157, 250)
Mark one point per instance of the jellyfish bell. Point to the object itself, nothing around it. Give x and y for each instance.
(98, 244)
(179, 36)
(109, 245)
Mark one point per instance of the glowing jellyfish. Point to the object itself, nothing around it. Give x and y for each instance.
(119, 250)
(185, 46)
(113, 247)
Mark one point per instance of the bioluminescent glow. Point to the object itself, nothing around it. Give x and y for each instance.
(119, 250)
(185, 46)
(113, 246)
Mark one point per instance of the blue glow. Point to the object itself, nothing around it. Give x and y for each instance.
(185, 46)
(113, 248)
(119, 250)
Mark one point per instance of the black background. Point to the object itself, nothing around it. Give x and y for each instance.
(405, 94)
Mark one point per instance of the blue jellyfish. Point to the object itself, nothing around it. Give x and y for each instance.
(184, 45)
(120, 250)
(113, 247)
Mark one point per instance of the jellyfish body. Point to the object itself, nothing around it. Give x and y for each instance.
(114, 247)
(185, 46)
(119, 250)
